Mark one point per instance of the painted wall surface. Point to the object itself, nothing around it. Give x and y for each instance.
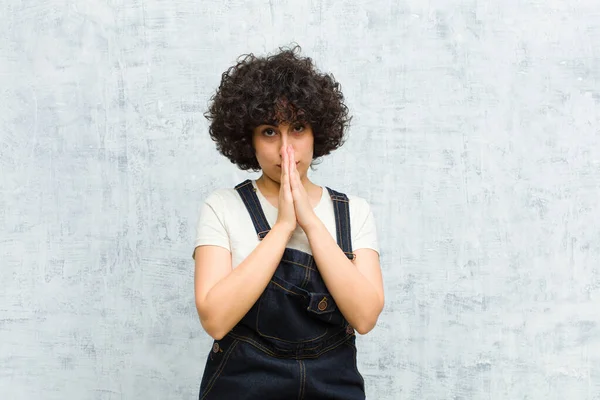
(476, 140)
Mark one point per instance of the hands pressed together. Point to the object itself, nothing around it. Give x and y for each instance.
(294, 204)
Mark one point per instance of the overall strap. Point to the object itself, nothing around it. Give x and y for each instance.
(341, 209)
(252, 203)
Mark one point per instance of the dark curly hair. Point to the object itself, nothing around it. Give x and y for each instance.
(280, 88)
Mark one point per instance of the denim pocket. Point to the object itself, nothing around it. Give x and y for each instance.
(281, 314)
(323, 307)
(288, 313)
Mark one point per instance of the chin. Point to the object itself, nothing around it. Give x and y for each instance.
(275, 177)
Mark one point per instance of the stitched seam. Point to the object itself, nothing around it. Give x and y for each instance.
(343, 218)
(341, 197)
(254, 343)
(243, 193)
(276, 337)
(332, 346)
(298, 264)
(287, 290)
(355, 362)
(243, 184)
(337, 224)
(311, 309)
(251, 198)
(261, 232)
(305, 280)
(302, 379)
(344, 238)
(347, 232)
(219, 369)
(343, 230)
(338, 196)
(260, 300)
(255, 212)
(300, 388)
(266, 349)
(271, 353)
(260, 211)
(296, 341)
(251, 212)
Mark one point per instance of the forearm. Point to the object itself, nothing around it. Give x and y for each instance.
(355, 296)
(232, 297)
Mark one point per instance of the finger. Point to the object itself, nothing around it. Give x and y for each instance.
(296, 175)
(285, 163)
(286, 179)
(293, 176)
(284, 169)
(282, 162)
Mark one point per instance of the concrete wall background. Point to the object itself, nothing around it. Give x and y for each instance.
(475, 138)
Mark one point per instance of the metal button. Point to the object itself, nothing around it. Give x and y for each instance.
(216, 348)
(323, 304)
(349, 330)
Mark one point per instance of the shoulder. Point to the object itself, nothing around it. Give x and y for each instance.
(221, 203)
(359, 207)
(222, 197)
(356, 203)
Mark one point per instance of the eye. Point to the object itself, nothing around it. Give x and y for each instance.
(269, 132)
(299, 128)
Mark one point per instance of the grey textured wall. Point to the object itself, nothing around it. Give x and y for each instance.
(475, 138)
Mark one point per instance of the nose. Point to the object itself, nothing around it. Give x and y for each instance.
(285, 138)
(284, 147)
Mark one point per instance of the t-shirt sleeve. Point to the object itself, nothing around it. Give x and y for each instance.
(211, 227)
(364, 229)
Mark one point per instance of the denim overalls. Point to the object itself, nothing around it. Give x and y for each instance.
(293, 343)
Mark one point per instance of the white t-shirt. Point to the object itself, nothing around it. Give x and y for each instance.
(224, 221)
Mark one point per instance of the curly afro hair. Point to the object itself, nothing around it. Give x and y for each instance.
(280, 88)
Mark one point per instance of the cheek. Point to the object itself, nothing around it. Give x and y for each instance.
(308, 148)
(266, 155)
(310, 143)
(305, 143)
(258, 154)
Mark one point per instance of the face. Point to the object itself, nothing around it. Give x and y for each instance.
(268, 140)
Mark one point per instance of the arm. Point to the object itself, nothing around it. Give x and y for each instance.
(224, 296)
(356, 286)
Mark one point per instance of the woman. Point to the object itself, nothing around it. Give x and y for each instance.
(285, 270)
